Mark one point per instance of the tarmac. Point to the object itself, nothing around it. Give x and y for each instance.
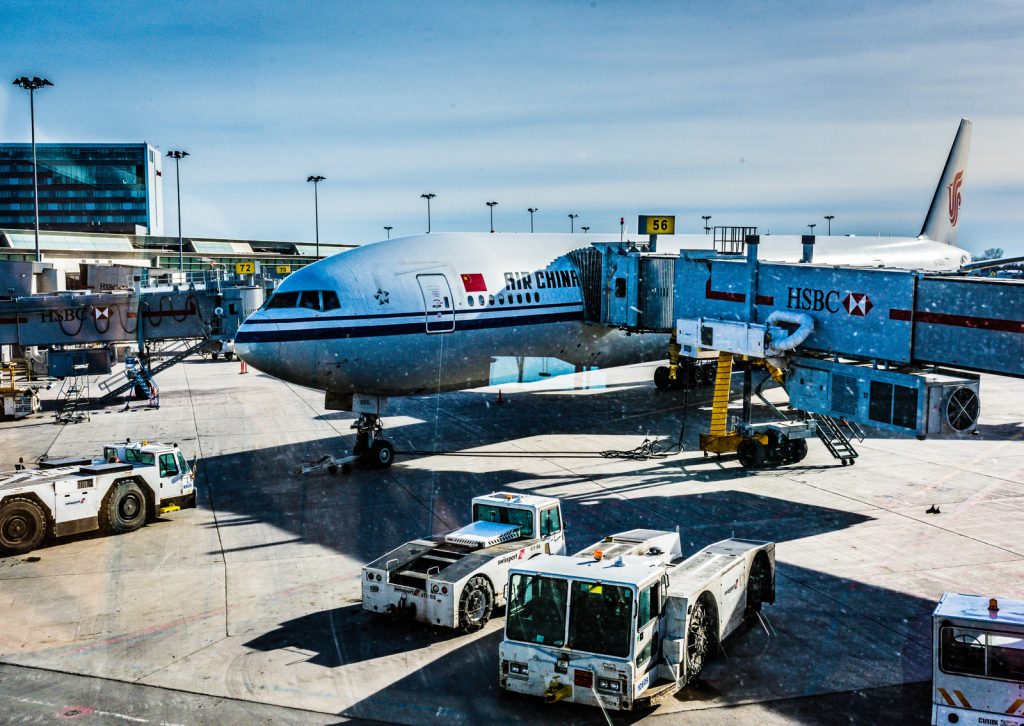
(246, 609)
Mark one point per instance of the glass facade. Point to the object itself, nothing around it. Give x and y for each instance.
(82, 187)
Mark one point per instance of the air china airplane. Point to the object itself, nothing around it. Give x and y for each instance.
(428, 313)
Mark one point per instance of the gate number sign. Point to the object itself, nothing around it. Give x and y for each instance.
(650, 224)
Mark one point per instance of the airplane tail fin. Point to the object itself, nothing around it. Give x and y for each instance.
(944, 214)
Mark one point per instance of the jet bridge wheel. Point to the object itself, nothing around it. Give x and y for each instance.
(475, 605)
(123, 508)
(751, 453)
(22, 526)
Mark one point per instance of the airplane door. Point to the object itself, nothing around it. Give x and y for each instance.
(438, 303)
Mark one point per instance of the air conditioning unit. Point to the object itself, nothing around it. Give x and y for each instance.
(922, 403)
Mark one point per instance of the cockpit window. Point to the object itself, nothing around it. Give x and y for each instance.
(283, 300)
(310, 299)
(330, 298)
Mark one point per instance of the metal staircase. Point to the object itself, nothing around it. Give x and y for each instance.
(836, 439)
(73, 397)
(140, 378)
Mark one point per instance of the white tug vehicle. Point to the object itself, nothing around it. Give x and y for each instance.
(978, 661)
(457, 579)
(627, 622)
(131, 484)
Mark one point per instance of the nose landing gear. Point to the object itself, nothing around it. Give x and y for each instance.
(371, 448)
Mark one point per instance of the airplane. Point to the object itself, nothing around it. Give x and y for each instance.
(428, 313)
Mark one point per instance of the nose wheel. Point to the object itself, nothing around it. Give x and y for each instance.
(371, 448)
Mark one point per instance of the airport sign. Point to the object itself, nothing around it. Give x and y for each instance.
(650, 224)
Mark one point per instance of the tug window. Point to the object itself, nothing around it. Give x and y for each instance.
(168, 467)
(982, 653)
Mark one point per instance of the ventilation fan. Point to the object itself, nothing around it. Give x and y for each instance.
(962, 409)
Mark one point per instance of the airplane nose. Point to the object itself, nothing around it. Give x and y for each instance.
(252, 346)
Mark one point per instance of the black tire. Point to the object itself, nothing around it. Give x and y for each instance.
(141, 394)
(229, 356)
(214, 356)
(797, 450)
(661, 379)
(123, 508)
(332, 469)
(699, 639)
(22, 526)
(382, 454)
(475, 605)
(757, 584)
(698, 376)
(751, 453)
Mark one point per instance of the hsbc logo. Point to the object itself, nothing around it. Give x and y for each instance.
(954, 197)
(832, 301)
(857, 303)
(101, 313)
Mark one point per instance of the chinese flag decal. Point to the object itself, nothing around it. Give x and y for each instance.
(474, 282)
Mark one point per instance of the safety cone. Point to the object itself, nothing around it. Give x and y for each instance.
(244, 367)
(500, 399)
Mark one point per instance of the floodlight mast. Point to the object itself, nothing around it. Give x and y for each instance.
(316, 209)
(178, 156)
(32, 85)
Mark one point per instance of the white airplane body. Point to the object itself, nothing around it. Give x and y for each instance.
(428, 313)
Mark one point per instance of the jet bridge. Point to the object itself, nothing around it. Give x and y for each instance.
(866, 345)
(78, 328)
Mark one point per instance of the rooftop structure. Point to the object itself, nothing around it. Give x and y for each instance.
(83, 187)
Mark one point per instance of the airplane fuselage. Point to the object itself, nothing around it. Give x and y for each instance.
(429, 313)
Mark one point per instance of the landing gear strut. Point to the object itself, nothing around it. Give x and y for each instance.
(371, 448)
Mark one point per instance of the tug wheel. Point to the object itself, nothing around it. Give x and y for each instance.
(382, 454)
(757, 584)
(700, 638)
(751, 453)
(123, 508)
(22, 526)
(475, 605)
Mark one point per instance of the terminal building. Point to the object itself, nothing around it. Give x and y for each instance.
(83, 188)
(153, 258)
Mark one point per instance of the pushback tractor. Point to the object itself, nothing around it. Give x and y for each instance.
(978, 661)
(456, 580)
(627, 622)
(131, 484)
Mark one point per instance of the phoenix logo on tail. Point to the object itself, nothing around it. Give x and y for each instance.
(954, 197)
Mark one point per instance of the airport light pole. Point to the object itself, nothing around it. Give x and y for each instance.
(572, 223)
(178, 156)
(531, 210)
(812, 226)
(492, 205)
(706, 217)
(585, 229)
(428, 196)
(316, 209)
(830, 217)
(388, 230)
(32, 85)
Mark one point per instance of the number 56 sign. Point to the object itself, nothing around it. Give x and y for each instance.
(649, 224)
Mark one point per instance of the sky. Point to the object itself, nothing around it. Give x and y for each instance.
(759, 114)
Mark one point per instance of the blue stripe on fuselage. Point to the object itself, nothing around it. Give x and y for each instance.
(416, 328)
